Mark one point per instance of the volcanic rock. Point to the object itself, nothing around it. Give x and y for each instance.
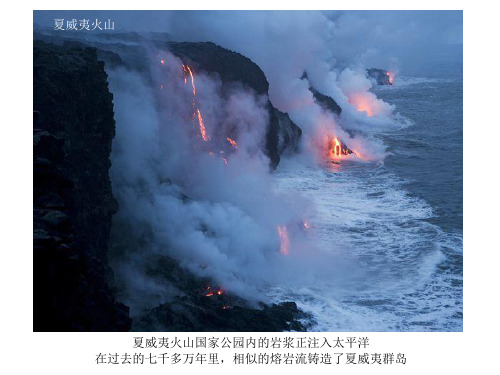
(72, 198)
(380, 76)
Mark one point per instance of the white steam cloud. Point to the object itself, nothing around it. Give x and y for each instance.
(285, 45)
(207, 204)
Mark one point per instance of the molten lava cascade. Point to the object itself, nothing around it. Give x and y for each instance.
(197, 117)
(202, 127)
(284, 240)
(187, 70)
(337, 149)
(196, 110)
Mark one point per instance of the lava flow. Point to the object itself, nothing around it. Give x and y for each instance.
(187, 70)
(202, 126)
(337, 149)
(197, 117)
(390, 76)
(232, 142)
(284, 240)
(209, 292)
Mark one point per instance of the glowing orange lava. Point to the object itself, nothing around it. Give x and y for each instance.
(285, 241)
(187, 70)
(202, 127)
(336, 149)
(197, 113)
(209, 292)
(233, 142)
(390, 75)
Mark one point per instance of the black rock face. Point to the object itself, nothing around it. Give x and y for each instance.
(325, 101)
(200, 307)
(289, 133)
(380, 76)
(206, 315)
(73, 203)
(230, 66)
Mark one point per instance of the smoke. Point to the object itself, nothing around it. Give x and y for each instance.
(186, 192)
(333, 47)
(285, 44)
(208, 204)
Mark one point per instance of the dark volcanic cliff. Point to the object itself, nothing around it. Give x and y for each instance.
(229, 65)
(73, 203)
(325, 101)
(381, 76)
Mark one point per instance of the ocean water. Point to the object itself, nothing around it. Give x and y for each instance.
(393, 229)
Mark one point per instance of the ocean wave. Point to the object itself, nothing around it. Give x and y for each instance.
(391, 269)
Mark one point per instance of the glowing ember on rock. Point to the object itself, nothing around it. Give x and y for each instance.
(209, 292)
(390, 76)
(202, 126)
(285, 241)
(233, 142)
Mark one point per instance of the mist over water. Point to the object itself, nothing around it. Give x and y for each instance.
(399, 222)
